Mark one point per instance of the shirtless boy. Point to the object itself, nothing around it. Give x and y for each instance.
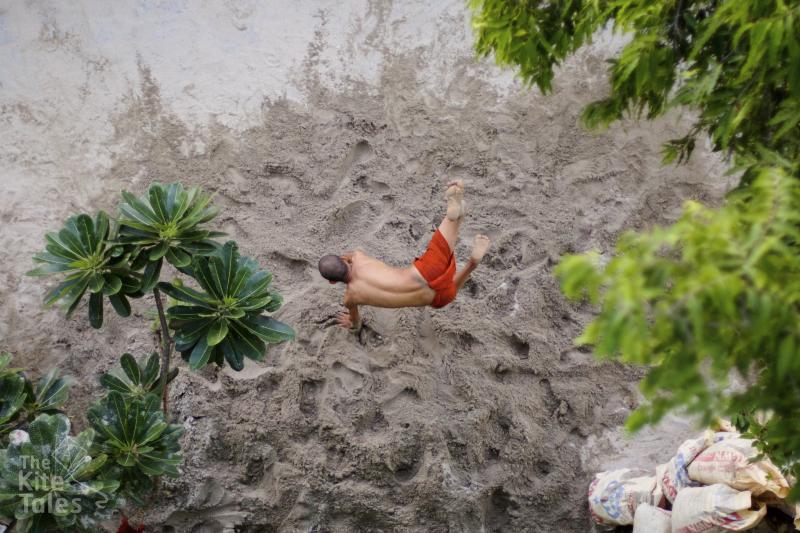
(431, 280)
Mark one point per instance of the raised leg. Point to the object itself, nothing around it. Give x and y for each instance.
(479, 247)
(455, 199)
(455, 213)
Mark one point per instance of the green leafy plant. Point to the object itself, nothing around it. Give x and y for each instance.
(5, 370)
(714, 294)
(21, 400)
(733, 61)
(123, 259)
(85, 253)
(225, 322)
(133, 432)
(129, 429)
(48, 395)
(12, 394)
(165, 223)
(136, 379)
(50, 482)
(733, 303)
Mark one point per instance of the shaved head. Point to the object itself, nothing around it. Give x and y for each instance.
(333, 268)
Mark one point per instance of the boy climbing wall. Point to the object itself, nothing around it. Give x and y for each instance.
(431, 280)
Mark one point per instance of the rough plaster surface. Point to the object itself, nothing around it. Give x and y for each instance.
(321, 127)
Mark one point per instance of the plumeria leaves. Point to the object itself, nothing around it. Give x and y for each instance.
(84, 253)
(45, 464)
(136, 379)
(49, 394)
(12, 393)
(224, 321)
(133, 432)
(117, 260)
(165, 224)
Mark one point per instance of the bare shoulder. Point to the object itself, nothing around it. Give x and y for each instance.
(359, 256)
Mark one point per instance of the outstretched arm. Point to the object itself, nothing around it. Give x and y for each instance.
(350, 319)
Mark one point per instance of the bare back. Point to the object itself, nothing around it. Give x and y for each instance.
(373, 282)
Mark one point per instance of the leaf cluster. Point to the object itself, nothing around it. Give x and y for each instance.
(734, 61)
(76, 481)
(223, 321)
(136, 379)
(534, 36)
(122, 258)
(134, 434)
(85, 253)
(714, 297)
(166, 223)
(49, 481)
(22, 400)
(131, 427)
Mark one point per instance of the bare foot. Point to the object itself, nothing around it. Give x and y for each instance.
(455, 199)
(479, 246)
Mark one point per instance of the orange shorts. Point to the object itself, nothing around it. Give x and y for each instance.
(438, 266)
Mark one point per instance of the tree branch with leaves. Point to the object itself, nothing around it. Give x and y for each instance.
(714, 295)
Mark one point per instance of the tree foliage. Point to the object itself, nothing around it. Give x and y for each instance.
(132, 429)
(85, 252)
(734, 61)
(122, 258)
(12, 394)
(715, 295)
(49, 394)
(166, 223)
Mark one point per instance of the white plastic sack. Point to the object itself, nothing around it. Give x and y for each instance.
(719, 436)
(614, 496)
(659, 499)
(728, 462)
(714, 509)
(651, 519)
(673, 476)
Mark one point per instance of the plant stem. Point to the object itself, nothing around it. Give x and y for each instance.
(166, 348)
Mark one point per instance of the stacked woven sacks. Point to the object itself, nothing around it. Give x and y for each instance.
(711, 484)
